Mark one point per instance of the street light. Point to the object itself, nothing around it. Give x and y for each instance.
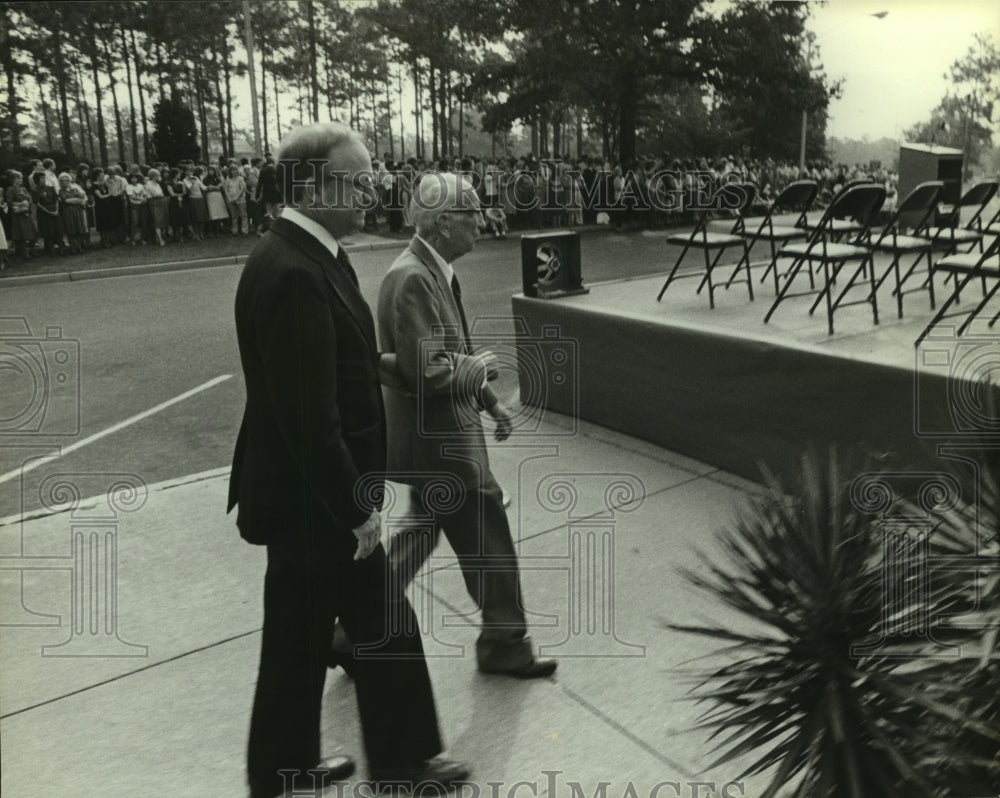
(805, 114)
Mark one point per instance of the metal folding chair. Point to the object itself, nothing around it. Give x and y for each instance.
(797, 196)
(953, 234)
(860, 204)
(964, 268)
(913, 213)
(737, 197)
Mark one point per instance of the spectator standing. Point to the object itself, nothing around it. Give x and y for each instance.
(234, 188)
(118, 208)
(214, 200)
(156, 202)
(196, 202)
(47, 221)
(177, 206)
(22, 227)
(251, 174)
(136, 194)
(268, 193)
(73, 213)
(104, 218)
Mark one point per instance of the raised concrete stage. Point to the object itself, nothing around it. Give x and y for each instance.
(723, 387)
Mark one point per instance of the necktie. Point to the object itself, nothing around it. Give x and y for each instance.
(345, 264)
(457, 292)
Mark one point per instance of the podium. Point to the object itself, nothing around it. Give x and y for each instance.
(550, 264)
(919, 163)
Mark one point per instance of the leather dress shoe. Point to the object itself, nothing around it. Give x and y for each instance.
(536, 669)
(334, 768)
(438, 772)
(324, 773)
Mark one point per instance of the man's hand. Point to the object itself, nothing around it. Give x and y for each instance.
(502, 417)
(490, 364)
(368, 534)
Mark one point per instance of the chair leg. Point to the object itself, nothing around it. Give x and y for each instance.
(830, 279)
(829, 297)
(951, 300)
(773, 265)
(874, 294)
(673, 271)
(980, 306)
(707, 279)
(789, 279)
(746, 250)
(930, 278)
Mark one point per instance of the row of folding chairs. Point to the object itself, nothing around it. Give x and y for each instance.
(841, 238)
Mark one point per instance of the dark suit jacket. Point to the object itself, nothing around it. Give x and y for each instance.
(439, 393)
(314, 420)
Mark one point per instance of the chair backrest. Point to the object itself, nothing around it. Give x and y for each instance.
(796, 196)
(979, 194)
(917, 207)
(860, 202)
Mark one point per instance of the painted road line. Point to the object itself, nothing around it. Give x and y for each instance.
(111, 430)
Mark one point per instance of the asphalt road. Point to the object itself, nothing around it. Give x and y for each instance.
(127, 346)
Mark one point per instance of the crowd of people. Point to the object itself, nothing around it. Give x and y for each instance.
(50, 212)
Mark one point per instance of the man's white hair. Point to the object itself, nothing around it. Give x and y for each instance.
(438, 192)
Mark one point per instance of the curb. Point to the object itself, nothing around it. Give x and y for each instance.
(170, 266)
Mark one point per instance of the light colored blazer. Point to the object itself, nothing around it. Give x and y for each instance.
(434, 402)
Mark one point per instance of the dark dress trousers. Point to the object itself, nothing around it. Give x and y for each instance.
(435, 431)
(314, 425)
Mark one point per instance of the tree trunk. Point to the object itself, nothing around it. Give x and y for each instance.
(461, 121)
(328, 76)
(13, 100)
(313, 74)
(263, 94)
(227, 72)
(579, 133)
(109, 68)
(444, 95)
(374, 117)
(628, 113)
(388, 117)
(220, 106)
(131, 98)
(102, 135)
(202, 112)
(402, 119)
(48, 121)
(60, 80)
(432, 82)
(277, 108)
(142, 99)
(418, 112)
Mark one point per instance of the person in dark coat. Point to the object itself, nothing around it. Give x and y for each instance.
(307, 475)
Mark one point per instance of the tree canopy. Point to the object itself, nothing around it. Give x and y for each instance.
(618, 78)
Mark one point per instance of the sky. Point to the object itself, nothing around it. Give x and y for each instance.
(894, 67)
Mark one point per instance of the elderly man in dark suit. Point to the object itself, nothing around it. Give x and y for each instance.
(307, 474)
(433, 411)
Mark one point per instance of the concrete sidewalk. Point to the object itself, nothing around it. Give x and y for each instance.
(153, 696)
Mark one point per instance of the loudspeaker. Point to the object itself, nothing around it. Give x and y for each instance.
(919, 163)
(550, 264)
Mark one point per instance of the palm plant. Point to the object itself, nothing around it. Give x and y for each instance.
(805, 694)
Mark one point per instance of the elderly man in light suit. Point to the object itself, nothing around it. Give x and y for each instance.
(433, 420)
